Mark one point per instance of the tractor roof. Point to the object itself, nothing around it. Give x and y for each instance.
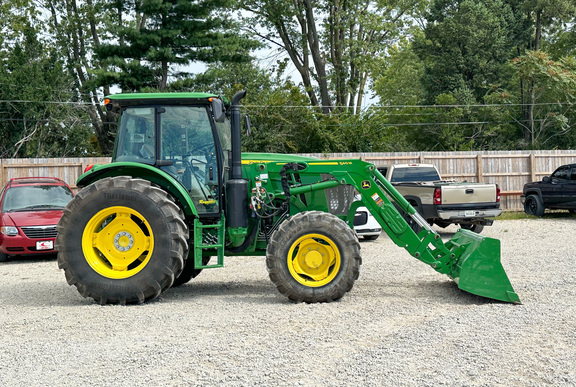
(130, 96)
(116, 101)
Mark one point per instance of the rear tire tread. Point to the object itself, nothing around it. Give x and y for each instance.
(178, 237)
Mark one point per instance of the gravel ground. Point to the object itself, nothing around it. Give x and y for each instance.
(403, 324)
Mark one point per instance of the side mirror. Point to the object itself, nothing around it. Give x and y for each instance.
(546, 179)
(248, 123)
(218, 110)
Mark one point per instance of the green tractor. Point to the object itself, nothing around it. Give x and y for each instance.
(180, 195)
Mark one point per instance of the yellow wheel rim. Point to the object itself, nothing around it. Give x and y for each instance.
(117, 242)
(314, 260)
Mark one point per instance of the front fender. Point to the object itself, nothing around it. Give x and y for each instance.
(142, 171)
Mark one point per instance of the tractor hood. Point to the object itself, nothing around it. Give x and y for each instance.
(252, 158)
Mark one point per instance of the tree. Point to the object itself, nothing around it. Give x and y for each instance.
(32, 123)
(398, 79)
(541, 19)
(77, 29)
(331, 43)
(553, 85)
(153, 38)
(466, 45)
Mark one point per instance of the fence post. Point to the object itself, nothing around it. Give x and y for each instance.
(479, 170)
(532, 167)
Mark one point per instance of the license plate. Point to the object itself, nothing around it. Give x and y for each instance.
(44, 245)
(469, 213)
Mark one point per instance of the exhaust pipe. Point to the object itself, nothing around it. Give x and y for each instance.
(236, 168)
(236, 187)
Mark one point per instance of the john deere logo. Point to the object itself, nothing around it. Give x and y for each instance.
(366, 184)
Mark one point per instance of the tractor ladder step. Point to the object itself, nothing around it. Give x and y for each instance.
(204, 239)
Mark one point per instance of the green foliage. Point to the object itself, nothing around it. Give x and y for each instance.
(477, 75)
(554, 94)
(398, 77)
(163, 35)
(33, 78)
(466, 47)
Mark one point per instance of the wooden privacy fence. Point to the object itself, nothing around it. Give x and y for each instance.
(67, 169)
(509, 169)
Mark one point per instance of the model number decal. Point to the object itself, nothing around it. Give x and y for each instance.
(378, 200)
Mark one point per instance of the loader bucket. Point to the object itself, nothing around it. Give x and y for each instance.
(477, 267)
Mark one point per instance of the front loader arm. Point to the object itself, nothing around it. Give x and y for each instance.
(471, 260)
(379, 196)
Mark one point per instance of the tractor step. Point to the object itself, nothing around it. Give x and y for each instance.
(208, 237)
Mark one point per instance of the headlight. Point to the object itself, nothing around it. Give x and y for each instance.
(9, 230)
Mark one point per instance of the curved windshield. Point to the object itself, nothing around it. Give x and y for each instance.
(36, 197)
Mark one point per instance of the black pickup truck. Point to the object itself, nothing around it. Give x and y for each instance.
(557, 191)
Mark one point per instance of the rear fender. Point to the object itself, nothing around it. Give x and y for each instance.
(142, 171)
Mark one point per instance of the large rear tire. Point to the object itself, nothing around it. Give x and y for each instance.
(122, 241)
(313, 257)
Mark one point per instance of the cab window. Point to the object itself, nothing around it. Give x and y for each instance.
(187, 140)
(561, 173)
(136, 136)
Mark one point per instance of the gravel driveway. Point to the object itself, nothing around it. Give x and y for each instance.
(403, 324)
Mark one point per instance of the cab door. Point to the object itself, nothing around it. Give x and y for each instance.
(188, 141)
(553, 190)
(570, 189)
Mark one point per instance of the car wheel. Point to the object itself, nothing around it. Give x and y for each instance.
(3, 257)
(371, 237)
(477, 228)
(533, 206)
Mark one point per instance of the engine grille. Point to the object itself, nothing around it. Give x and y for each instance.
(40, 232)
(339, 198)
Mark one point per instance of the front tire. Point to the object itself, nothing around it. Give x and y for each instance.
(121, 241)
(3, 257)
(534, 206)
(313, 257)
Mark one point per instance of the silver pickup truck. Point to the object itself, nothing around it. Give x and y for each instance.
(444, 202)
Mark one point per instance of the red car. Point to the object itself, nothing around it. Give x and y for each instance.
(30, 209)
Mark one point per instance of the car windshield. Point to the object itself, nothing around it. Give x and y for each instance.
(36, 197)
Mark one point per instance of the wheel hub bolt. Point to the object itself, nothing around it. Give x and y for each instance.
(123, 241)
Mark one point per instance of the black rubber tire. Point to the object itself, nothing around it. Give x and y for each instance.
(165, 220)
(326, 225)
(371, 237)
(189, 272)
(477, 228)
(3, 257)
(534, 206)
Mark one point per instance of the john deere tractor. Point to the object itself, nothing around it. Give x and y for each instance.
(180, 195)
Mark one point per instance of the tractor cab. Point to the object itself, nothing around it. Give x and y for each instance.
(187, 135)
